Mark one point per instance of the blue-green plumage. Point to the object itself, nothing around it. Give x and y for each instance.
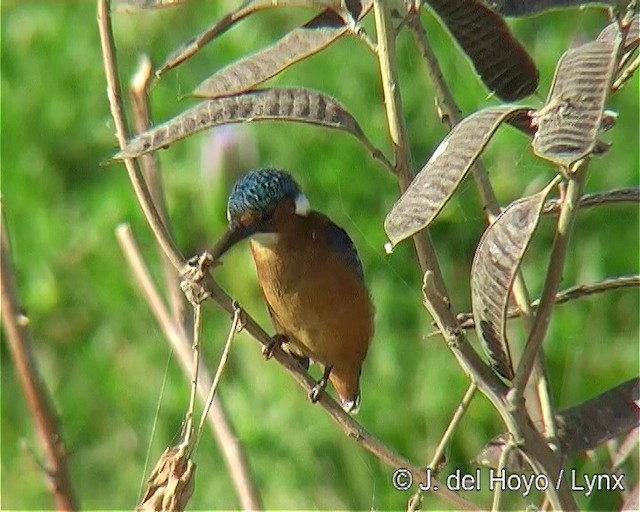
(261, 190)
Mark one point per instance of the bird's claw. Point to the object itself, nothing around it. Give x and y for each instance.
(269, 349)
(314, 394)
(316, 391)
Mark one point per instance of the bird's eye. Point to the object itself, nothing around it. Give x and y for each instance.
(249, 218)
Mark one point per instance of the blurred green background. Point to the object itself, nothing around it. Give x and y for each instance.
(104, 358)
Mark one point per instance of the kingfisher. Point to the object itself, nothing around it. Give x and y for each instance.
(310, 275)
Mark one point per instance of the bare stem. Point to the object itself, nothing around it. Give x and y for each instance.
(20, 342)
(573, 293)
(195, 347)
(554, 275)
(453, 424)
(150, 164)
(232, 451)
(115, 102)
(621, 195)
(504, 457)
(626, 74)
(451, 116)
(221, 365)
(386, 51)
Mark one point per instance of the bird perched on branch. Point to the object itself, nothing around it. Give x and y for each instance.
(310, 275)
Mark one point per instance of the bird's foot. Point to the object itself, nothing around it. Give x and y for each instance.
(314, 394)
(277, 341)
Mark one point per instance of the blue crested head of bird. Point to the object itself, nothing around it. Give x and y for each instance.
(258, 207)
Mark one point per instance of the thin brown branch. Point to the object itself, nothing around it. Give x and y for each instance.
(626, 74)
(350, 426)
(451, 115)
(621, 195)
(188, 434)
(232, 451)
(504, 457)
(234, 455)
(516, 419)
(386, 52)
(20, 342)
(453, 424)
(138, 92)
(221, 366)
(573, 293)
(554, 275)
(115, 102)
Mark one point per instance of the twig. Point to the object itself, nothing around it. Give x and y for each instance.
(221, 365)
(573, 293)
(195, 347)
(457, 416)
(504, 457)
(515, 418)
(20, 342)
(386, 51)
(451, 116)
(621, 195)
(153, 178)
(626, 74)
(554, 275)
(232, 450)
(135, 176)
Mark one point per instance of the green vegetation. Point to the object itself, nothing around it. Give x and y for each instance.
(105, 360)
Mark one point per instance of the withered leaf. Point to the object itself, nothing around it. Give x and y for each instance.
(531, 7)
(300, 43)
(501, 61)
(329, 19)
(286, 104)
(437, 181)
(582, 427)
(631, 34)
(569, 122)
(136, 5)
(493, 270)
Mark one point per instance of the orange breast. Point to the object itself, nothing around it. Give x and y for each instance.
(317, 299)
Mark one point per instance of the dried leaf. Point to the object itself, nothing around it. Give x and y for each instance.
(493, 270)
(580, 428)
(531, 7)
(501, 61)
(137, 5)
(588, 425)
(287, 104)
(439, 178)
(300, 43)
(568, 124)
(171, 483)
(631, 34)
(333, 16)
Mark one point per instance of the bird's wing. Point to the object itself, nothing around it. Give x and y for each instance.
(340, 241)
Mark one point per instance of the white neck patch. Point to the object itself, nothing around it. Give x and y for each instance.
(269, 240)
(302, 205)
